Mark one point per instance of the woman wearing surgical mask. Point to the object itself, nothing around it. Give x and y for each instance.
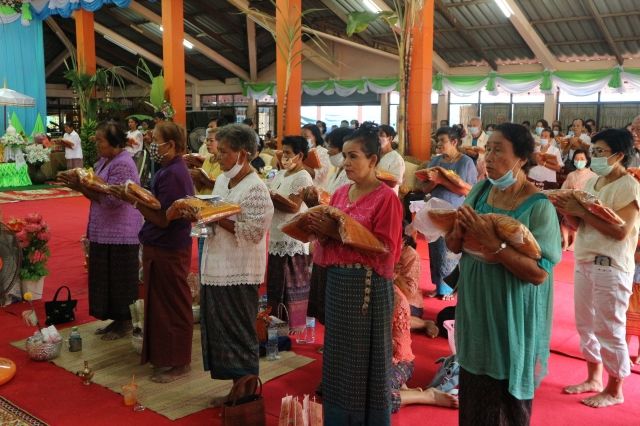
(504, 302)
(391, 161)
(234, 261)
(576, 180)
(312, 134)
(540, 126)
(604, 267)
(288, 270)
(166, 257)
(335, 141)
(549, 161)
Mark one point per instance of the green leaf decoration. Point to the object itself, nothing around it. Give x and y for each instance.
(358, 22)
(156, 96)
(39, 126)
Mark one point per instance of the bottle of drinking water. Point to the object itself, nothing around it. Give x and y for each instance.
(262, 303)
(308, 335)
(272, 344)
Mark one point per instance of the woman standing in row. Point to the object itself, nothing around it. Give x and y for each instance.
(289, 261)
(359, 293)
(234, 261)
(314, 139)
(166, 257)
(113, 236)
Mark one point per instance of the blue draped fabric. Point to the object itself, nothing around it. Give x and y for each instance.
(22, 65)
(42, 9)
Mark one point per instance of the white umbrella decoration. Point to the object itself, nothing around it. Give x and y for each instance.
(10, 97)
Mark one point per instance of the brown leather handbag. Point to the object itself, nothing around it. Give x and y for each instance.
(245, 405)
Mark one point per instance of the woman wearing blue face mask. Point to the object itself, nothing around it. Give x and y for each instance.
(234, 261)
(548, 159)
(503, 316)
(575, 180)
(604, 268)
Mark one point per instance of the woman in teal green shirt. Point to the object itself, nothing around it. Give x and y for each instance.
(503, 316)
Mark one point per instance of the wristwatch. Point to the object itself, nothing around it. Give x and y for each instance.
(503, 246)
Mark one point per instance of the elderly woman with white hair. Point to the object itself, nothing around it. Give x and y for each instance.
(234, 261)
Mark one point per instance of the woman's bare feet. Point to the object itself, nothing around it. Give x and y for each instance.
(218, 401)
(603, 399)
(118, 330)
(431, 328)
(106, 329)
(584, 387)
(170, 375)
(441, 399)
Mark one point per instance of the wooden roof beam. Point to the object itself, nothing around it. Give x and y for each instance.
(604, 30)
(464, 32)
(251, 45)
(530, 36)
(56, 63)
(200, 46)
(101, 29)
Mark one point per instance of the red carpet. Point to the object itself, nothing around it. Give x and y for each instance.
(58, 398)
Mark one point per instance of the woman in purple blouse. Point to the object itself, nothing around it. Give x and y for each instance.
(113, 236)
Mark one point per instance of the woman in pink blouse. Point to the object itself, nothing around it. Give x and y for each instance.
(359, 293)
(576, 180)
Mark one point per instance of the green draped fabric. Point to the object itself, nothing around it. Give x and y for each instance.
(12, 176)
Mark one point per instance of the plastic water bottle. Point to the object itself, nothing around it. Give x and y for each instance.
(262, 303)
(75, 340)
(308, 335)
(272, 344)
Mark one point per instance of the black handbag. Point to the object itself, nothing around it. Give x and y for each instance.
(59, 311)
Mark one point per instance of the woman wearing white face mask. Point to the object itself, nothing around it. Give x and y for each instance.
(549, 162)
(604, 268)
(234, 261)
(335, 141)
(391, 161)
(289, 261)
(503, 315)
(312, 134)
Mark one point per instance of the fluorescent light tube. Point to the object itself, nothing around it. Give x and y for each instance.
(504, 7)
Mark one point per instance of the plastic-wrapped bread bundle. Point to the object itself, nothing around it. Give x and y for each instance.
(201, 211)
(91, 181)
(450, 175)
(387, 178)
(352, 233)
(590, 202)
(140, 195)
(507, 229)
(286, 201)
(422, 174)
(313, 196)
(312, 160)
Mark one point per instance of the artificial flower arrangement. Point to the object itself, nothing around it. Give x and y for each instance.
(33, 237)
(12, 139)
(36, 153)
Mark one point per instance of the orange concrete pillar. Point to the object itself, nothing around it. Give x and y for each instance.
(288, 67)
(173, 58)
(85, 41)
(420, 76)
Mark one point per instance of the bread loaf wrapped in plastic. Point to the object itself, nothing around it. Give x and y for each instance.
(590, 202)
(450, 175)
(352, 233)
(387, 178)
(422, 174)
(201, 211)
(312, 160)
(90, 180)
(284, 201)
(140, 195)
(444, 219)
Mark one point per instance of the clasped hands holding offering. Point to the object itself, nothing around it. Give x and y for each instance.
(469, 224)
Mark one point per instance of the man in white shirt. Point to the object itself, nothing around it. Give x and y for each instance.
(72, 147)
(634, 161)
(134, 137)
(577, 138)
(473, 145)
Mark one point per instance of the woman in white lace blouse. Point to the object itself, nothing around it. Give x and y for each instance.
(234, 261)
(288, 271)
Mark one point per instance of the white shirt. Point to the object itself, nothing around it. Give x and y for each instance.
(393, 163)
(76, 151)
(322, 174)
(540, 173)
(280, 243)
(230, 259)
(591, 242)
(336, 180)
(136, 135)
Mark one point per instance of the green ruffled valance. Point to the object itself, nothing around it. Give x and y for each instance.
(578, 83)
